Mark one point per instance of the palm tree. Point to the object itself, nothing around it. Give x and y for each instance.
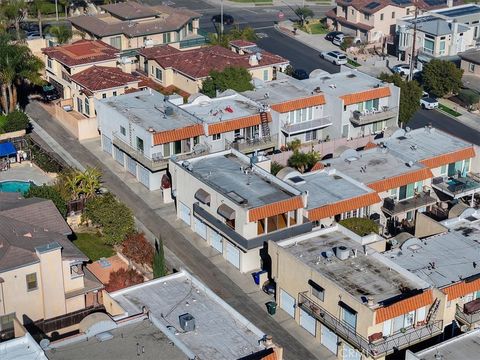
(90, 182)
(14, 11)
(40, 7)
(62, 33)
(66, 5)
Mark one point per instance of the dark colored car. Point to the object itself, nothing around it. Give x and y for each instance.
(331, 35)
(227, 19)
(300, 74)
(49, 93)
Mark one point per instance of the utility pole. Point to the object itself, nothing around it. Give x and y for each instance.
(221, 18)
(56, 9)
(412, 55)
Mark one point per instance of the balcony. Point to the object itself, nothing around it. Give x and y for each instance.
(298, 128)
(393, 208)
(469, 313)
(366, 117)
(457, 186)
(250, 145)
(376, 349)
(139, 156)
(193, 41)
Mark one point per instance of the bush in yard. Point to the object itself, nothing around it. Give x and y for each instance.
(276, 167)
(303, 161)
(16, 120)
(159, 268)
(360, 226)
(114, 218)
(49, 192)
(469, 97)
(234, 78)
(138, 249)
(122, 278)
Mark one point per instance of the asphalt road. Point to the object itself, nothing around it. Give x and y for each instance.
(445, 123)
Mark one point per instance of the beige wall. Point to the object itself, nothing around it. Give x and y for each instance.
(465, 66)
(79, 126)
(75, 303)
(51, 273)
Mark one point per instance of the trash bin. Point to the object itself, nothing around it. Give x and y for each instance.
(272, 307)
(256, 276)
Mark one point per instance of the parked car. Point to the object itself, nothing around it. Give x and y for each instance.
(338, 39)
(335, 57)
(227, 19)
(32, 35)
(49, 93)
(404, 69)
(300, 74)
(428, 102)
(331, 35)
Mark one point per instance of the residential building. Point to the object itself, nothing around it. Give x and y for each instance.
(188, 69)
(193, 318)
(42, 274)
(441, 34)
(375, 21)
(470, 64)
(235, 205)
(130, 25)
(342, 292)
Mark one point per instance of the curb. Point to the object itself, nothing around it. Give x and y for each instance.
(288, 33)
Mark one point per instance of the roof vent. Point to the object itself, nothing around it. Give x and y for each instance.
(410, 163)
(187, 322)
(150, 129)
(168, 110)
(342, 252)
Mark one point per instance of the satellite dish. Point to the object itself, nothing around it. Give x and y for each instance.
(44, 344)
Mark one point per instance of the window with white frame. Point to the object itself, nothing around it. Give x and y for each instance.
(216, 137)
(471, 67)
(158, 74)
(349, 315)
(87, 106)
(49, 63)
(317, 290)
(300, 115)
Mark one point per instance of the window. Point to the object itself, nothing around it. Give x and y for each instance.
(428, 46)
(190, 27)
(166, 38)
(216, 137)
(166, 150)
(177, 147)
(140, 144)
(471, 67)
(76, 270)
(114, 93)
(393, 14)
(31, 281)
(442, 47)
(349, 316)
(366, 16)
(265, 75)
(443, 170)
(116, 42)
(104, 96)
(123, 131)
(381, 17)
(158, 74)
(317, 290)
(49, 63)
(311, 135)
(87, 106)
(408, 11)
(353, 12)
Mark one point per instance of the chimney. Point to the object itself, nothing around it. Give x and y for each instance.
(370, 302)
(449, 3)
(253, 60)
(268, 342)
(455, 27)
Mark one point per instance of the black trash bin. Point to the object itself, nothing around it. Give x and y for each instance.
(272, 307)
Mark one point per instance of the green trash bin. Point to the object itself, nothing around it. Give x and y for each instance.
(272, 307)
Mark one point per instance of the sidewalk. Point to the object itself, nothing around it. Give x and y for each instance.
(467, 118)
(275, 3)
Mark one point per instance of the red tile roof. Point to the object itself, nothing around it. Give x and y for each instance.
(318, 166)
(449, 158)
(82, 52)
(276, 208)
(370, 145)
(400, 180)
(355, 98)
(240, 123)
(177, 134)
(404, 306)
(461, 289)
(198, 63)
(299, 103)
(98, 78)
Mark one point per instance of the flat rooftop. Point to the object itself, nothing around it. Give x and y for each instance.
(123, 345)
(220, 332)
(423, 143)
(459, 11)
(442, 259)
(378, 163)
(225, 172)
(147, 109)
(231, 105)
(362, 276)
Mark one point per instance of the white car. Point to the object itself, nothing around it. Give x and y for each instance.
(404, 69)
(335, 57)
(428, 102)
(338, 39)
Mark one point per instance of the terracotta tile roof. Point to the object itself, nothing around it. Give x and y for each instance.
(370, 145)
(198, 63)
(404, 306)
(299, 103)
(355, 98)
(343, 206)
(449, 158)
(461, 289)
(82, 52)
(272, 356)
(400, 180)
(318, 166)
(178, 134)
(226, 126)
(98, 78)
(102, 273)
(276, 208)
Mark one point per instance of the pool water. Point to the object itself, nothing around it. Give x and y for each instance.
(15, 186)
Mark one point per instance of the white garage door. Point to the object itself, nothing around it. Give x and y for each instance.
(216, 240)
(144, 176)
(107, 144)
(307, 322)
(287, 303)
(349, 353)
(131, 166)
(233, 255)
(184, 213)
(329, 339)
(201, 228)
(119, 156)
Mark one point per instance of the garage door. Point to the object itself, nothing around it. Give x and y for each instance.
(107, 144)
(184, 212)
(201, 228)
(119, 156)
(329, 339)
(143, 176)
(349, 353)
(216, 241)
(131, 166)
(307, 322)
(233, 255)
(287, 303)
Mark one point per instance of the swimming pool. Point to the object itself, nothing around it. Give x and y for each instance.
(15, 186)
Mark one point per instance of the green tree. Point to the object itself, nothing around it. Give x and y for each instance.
(159, 268)
(303, 161)
(113, 217)
(410, 94)
(76, 184)
(303, 13)
(247, 34)
(235, 78)
(14, 11)
(49, 192)
(442, 77)
(66, 4)
(275, 167)
(16, 120)
(62, 33)
(40, 7)
(469, 97)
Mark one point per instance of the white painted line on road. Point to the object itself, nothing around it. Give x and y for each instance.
(251, 11)
(263, 27)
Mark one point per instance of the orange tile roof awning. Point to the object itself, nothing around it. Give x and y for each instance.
(356, 98)
(461, 289)
(403, 306)
(343, 206)
(299, 103)
(231, 125)
(370, 145)
(276, 208)
(449, 158)
(318, 166)
(400, 180)
(177, 134)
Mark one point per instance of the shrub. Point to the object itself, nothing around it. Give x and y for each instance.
(138, 249)
(469, 97)
(303, 162)
(49, 192)
(16, 120)
(360, 226)
(122, 278)
(275, 168)
(159, 268)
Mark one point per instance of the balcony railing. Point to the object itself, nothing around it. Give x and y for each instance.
(375, 349)
(250, 145)
(139, 156)
(467, 318)
(301, 127)
(197, 41)
(420, 200)
(365, 117)
(457, 186)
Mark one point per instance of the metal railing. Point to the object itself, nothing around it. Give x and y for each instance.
(468, 319)
(359, 118)
(375, 349)
(419, 200)
(250, 145)
(193, 42)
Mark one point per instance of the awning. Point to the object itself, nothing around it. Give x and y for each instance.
(7, 149)
(202, 196)
(226, 211)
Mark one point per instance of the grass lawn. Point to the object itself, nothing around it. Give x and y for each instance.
(448, 110)
(353, 63)
(93, 246)
(317, 28)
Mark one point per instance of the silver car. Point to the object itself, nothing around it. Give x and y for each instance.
(335, 57)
